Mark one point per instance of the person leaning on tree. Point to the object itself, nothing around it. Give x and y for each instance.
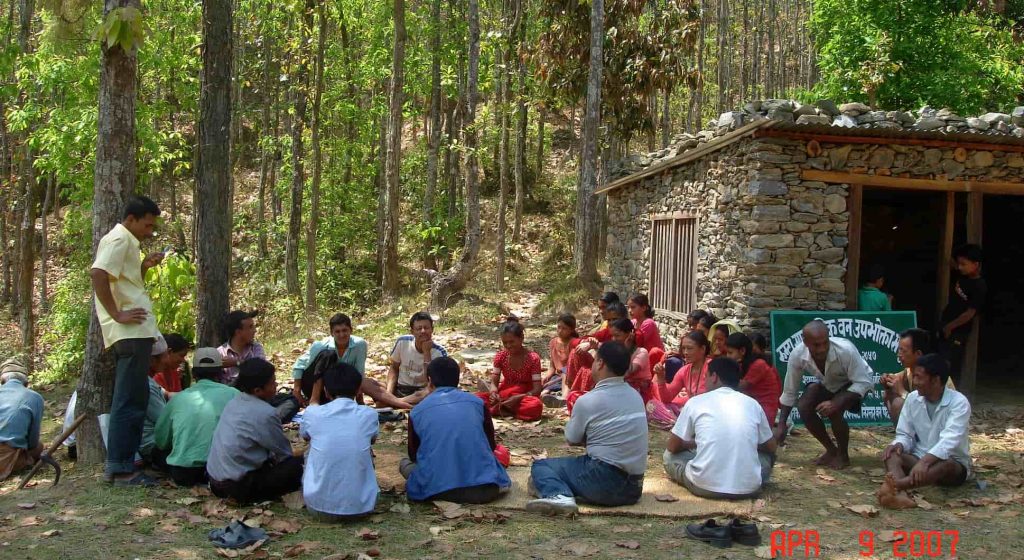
(129, 327)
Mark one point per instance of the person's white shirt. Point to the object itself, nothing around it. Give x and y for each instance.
(339, 477)
(412, 370)
(727, 426)
(843, 365)
(944, 435)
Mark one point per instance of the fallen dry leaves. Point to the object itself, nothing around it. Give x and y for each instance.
(577, 548)
(284, 526)
(50, 533)
(367, 534)
(301, 548)
(631, 545)
(27, 505)
(864, 510)
(666, 498)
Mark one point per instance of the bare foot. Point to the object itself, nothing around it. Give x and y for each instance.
(838, 462)
(889, 496)
(903, 483)
(825, 457)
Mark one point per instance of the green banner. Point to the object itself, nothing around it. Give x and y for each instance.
(876, 335)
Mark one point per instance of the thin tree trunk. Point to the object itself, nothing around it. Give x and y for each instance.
(391, 281)
(298, 152)
(456, 127)
(213, 173)
(434, 138)
(27, 256)
(540, 140)
(382, 196)
(503, 141)
(521, 129)
(666, 116)
(314, 197)
(114, 181)
(275, 158)
(585, 256)
(454, 279)
(44, 253)
(266, 153)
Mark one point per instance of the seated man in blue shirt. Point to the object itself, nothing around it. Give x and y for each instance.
(451, 444)
(611, 422)
(21, 416)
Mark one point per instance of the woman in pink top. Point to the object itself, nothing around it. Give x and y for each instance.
(647, 335)
(687, 383)
(639, 375)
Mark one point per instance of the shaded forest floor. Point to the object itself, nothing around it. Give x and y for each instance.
(85, 518)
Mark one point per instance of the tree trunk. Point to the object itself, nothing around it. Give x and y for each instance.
(299, 91)
(213, 173)
(391, 282)
(540, 140)
(585, 256)
(114, 181)
(456, 126)
(503, 137)
(382, 195)
(434, 138)
(266, 153)
(44, 252)
(275, 158)
(314, 197)
(27, 256)
(521, 124)
(454, 279)
(666, 117)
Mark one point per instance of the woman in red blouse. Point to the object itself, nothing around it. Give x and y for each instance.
(688, 382)
(760, 381)
(577, 371)
(639, 374)
(519, 370)
(647, 335)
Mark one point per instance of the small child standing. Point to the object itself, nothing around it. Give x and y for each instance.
(559, 348)
(966, 301)
(870, 297)
(339, 481)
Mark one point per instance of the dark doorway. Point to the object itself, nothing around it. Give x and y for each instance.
(1000, 352)
(902, 231)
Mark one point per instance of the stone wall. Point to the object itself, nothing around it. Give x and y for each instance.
(769, 239)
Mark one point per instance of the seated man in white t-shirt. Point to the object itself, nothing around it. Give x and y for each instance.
(339, 481)
(410, 356)
(721, 446)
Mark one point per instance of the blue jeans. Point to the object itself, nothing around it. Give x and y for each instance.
(128, 407)
(589, 480)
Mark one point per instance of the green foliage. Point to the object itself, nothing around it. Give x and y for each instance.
(122, 26)
(171, 286)
(67, 326)
(906, 54)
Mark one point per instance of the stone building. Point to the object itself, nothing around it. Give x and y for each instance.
(781, 205)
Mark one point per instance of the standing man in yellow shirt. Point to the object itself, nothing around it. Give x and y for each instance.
(129, 327)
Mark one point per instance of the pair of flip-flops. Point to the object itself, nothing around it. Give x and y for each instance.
(237, 535)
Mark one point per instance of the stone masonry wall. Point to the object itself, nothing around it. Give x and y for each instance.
(769, 239)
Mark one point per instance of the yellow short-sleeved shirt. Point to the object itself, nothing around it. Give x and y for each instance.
(119, 255)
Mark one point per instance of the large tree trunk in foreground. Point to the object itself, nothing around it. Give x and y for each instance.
(114, 181)
(393, 160)
(587, 226)
(455, 278)
(213, 174)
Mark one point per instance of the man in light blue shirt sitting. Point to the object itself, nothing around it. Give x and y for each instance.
(21, 416)
(451, 444)
(339, 481)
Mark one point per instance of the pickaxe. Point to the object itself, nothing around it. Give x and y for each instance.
(47, 456)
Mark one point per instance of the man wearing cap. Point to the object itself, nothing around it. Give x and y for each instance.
(240, 344)
(129, 327)
(185, 428)
(21, 415)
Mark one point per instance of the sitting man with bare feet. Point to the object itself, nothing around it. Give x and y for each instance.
(842, 378)
(931, 447)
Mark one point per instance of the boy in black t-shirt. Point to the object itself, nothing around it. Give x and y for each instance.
(966, 301)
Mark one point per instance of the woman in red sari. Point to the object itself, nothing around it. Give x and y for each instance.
(577, 372)
(647, 335)
(518, 369)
